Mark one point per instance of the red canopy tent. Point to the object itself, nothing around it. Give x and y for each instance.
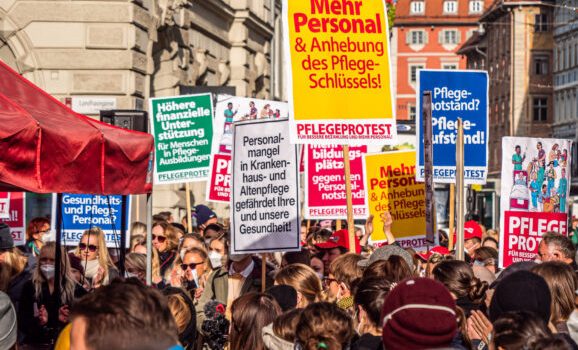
(45, 147)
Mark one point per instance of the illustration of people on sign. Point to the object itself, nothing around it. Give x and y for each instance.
(265, 112)
(252, 110)
(541, 153)
(535, 192)
(564, 158)
(553, 155)
(562, 189)
(551, 176)
(229, 115)
(543, 197)
(517, 158)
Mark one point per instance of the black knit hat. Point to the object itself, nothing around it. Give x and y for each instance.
(6, 240)
(284, 295)
(521, 291)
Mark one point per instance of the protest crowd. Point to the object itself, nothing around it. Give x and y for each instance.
(323, 297)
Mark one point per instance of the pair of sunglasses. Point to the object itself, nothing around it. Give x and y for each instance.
(160, 239)
(91, 247)
(184, 267)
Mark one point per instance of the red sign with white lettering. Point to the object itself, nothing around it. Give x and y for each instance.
(523, 232)
(219, 187)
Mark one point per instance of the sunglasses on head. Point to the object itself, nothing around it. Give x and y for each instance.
(91, 247)
(184, 267)
(160, 239)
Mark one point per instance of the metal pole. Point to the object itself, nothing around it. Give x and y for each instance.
(430, 207)
(57, 259)
(460, 191)
(149, 215)
(123, 219)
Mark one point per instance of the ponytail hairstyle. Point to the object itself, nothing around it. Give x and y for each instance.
(395, 269)
(459, 279)
(324, 326)
(520, 330)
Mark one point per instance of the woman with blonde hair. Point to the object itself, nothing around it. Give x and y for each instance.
(16, 267)
(98, 267)
(183, 312)
(165, 241)
(40, 317)
(305, 281)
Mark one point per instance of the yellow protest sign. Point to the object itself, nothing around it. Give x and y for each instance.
(391, 186)
(340, 88)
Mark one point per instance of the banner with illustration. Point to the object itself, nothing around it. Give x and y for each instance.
(534, 197)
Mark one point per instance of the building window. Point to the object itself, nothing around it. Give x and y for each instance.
(476, 6)
(541, 65)
(416, 37)
(450, 66)
(541, 23)
(412, 112)
(413, 72)
(449, 37)
(540, 109)
(417, 7)
(450, 6)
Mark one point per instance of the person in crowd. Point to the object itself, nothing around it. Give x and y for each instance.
(183, 311)
(211, 231)
(204, 216)
(429, 259)
(123, 315)
(218, 248)
(486, 257)
(191, 240)
(8, 323)
(138, 244)
(77, 270)
(394, 269)
(250, 313)
(36, 231)
(466, 289)
(16, 267)
(324, 326)
(383, 253)
(301, 257)
(343, 274)
(135, 266)
(192, 272)
(42, 314)
(138, 228)
(336, 245)
(317, 266)
(561, 280)
(98, 267)
(411, 310)
(370, 294)
(557, 247)
(239, 276)
(280, 335)
(165, 242)
(472, 238)
(490, 243)
(521, 330)
(304, 280)
(284, 295)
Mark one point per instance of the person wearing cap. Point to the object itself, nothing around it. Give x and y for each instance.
(432, 257)
(472, 238)
(204, 216)
(336, 245)
(419, 313)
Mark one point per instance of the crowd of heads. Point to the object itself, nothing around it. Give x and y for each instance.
(330, 295)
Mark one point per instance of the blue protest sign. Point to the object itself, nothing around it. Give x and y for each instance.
(80, 212)
(455, 94)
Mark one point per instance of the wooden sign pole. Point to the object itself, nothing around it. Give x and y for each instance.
(349, 196)
(460, 191)
(452, 225)
(188, 199)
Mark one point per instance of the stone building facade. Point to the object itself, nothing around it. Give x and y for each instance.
(121, 52)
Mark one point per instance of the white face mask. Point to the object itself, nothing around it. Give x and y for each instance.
(47, 237)
(216, 259)
(47, 271)
(195, 277)
(130, 275)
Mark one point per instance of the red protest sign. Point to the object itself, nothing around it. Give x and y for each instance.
(16, 216)
(219, 188)
(523, 232)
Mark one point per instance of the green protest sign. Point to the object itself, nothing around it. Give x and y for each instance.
(183, 130)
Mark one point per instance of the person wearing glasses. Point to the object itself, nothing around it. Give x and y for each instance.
(165, 241)
(99, 269)
(191, 273)
(37, 230)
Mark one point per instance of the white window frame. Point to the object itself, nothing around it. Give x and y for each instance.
(417, 7)
(450, 7)
(476, 6)
(413, 34)
(411, 66)
(450, 66)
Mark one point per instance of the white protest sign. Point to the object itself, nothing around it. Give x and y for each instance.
(265, 188)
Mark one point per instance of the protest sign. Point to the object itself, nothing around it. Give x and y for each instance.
(265, 188)
(534, 192)
(4, 205)
(219, 189)
(183, 130)
(455, 94)
(339, 85)
(81, 212)
(325, 196)
(391, 186)
(16, 216)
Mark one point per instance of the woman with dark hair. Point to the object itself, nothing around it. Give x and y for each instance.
(369, 297)
(486, 257)
(249, 315)
(324, 326)
(521, 330)
(394, 269)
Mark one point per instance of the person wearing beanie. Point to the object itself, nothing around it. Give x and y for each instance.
(419, 313)
(284, 295)
(521, 291)
(6, 240)
(204, 216)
